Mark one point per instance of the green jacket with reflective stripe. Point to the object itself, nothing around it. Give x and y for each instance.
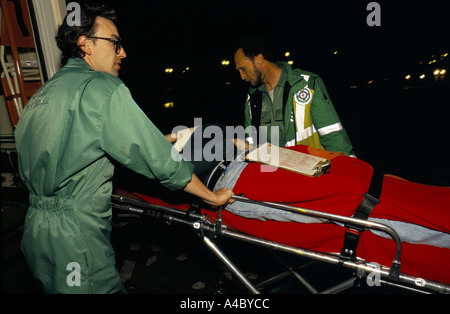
(309, 117)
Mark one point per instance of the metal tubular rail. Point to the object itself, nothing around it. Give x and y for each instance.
(230, 265)
(383, 272)
(368, 224)
(199, 222)
(143, 204)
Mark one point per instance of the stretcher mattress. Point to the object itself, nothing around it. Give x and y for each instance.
(419, 213)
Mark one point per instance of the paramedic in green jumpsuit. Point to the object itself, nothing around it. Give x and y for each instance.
(292, 103)
(70, 131)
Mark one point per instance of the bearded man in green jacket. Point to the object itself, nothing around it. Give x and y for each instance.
(70, 131)
(286, 106)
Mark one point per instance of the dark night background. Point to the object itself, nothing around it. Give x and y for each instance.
(400, 127)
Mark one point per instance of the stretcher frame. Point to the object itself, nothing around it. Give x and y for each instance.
(389, 276)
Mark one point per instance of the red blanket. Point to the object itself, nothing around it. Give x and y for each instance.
(341, 190)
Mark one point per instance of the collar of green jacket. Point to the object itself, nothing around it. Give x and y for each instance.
(78, 62)
(294, 76)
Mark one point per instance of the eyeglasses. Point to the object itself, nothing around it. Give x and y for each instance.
(116, 41)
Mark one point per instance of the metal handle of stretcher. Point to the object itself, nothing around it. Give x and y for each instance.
(395, 267)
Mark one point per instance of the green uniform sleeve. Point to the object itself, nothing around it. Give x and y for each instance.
(129, 137)
(326, 120)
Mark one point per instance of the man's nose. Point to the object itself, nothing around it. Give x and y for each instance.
(122, 54)
(243, 75)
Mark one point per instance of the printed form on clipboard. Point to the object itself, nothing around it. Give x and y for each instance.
(287, 159)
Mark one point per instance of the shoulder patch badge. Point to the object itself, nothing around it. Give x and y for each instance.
(303, 96)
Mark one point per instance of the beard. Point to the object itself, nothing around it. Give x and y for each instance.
(259, 79)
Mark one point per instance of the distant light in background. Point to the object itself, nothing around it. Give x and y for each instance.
(407, 77)
(185, 70)
(287, 54)
(225, 62)
(168, 70)
(168, 105)
(439, 74)
(291, 62)
(370, 82)
(422, 76)
(335, 52)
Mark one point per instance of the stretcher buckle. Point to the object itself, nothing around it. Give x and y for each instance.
(353, 231)
(351, 239)
(394, 273)
(218, 224)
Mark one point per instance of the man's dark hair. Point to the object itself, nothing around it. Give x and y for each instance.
(67, 36)
(253, 45)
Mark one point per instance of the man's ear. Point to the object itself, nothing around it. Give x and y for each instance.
(259, 60)
(84, 44)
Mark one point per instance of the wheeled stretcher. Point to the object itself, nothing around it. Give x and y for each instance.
(405, 241)
(212, 224)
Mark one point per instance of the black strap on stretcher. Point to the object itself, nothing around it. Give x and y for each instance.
(353, 232)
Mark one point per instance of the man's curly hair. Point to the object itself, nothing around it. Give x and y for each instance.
(67, 36)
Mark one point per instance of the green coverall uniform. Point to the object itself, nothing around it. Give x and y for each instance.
(301, 109)
(66, 138)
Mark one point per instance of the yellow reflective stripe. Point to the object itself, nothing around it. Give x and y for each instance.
(308, 119)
